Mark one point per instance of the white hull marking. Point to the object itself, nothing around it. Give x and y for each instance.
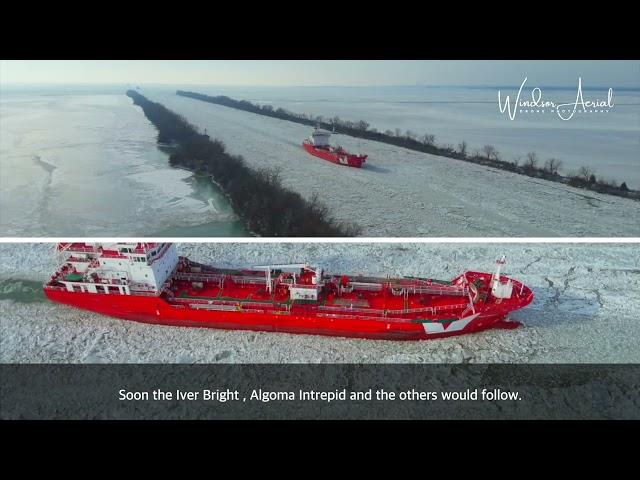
(431, 328)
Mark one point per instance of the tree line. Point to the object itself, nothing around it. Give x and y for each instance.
(488, 155)
(257, 196)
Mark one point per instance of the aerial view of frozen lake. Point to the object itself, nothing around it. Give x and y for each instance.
(85, 162)
(406, 193)
(607, 142)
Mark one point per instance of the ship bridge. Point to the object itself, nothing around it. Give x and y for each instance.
(115, 267)
(320, 138)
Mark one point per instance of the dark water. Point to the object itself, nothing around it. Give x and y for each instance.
(22, 291)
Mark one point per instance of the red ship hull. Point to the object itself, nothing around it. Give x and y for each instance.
(339, 157)
(163, 311)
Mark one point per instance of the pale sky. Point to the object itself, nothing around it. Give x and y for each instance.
(603, 73)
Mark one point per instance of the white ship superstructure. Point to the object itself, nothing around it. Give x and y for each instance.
(116, 268)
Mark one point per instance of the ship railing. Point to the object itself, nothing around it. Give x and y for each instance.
(109, 281)
(111, 254)
(381, 313)
(143, 293)
(215, 306)
(52, 287)
(210, 277)
(412, 310)
(433, 290)
(141, 287)
(194, 300)
(234, 303)
(428, 310)
(364, 317)
(371, 287)
(344, 308)
(226, 308)
(84, 249)
(100, 290)
(198, 277)
(381, 318)
(274, 306)
(431, 310)
(78, 259)
(257, 280)
(443, 308)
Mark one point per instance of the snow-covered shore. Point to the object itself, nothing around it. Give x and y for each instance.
(406, 193)
(587, 299)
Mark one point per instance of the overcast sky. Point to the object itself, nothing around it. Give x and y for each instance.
(613, 73)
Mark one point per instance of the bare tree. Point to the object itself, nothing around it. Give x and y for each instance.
(586, 173)
(428, 139)
(516, 160)
(608, 182)
(462, 148)
(531, 161)
(490, 152)
(410, 135)
(388, 133)
(398, 132)
(553, 165)
(362, 125)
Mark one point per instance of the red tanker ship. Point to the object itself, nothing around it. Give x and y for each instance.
(318, 144)
(149, 282)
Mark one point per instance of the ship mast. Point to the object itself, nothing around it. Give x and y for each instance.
(498, 289)
(317, 278)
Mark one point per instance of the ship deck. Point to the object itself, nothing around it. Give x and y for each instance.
(371, 302)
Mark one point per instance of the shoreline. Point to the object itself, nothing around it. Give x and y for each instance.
(257, 197)
(585, 179)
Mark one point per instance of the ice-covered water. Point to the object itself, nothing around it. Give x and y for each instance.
(86, 162)
(587, 299)
(406, 193)
(607, 142)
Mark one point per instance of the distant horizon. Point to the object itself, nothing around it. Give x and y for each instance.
(171, 84)
(324, 73)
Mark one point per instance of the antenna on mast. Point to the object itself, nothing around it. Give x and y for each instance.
(498, 289)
